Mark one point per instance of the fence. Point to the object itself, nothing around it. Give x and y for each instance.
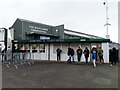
(16, 59)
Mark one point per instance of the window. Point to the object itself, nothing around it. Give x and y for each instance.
(44, 37)
(21, 46)
(42, 48)
(27, 47)
(34, 47)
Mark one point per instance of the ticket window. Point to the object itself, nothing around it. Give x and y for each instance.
(34, 47)
(27, 47)
(21, 47)
(42, 48)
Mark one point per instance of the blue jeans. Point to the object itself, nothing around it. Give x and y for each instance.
(86, 59)
(70, 58)
(79, 57)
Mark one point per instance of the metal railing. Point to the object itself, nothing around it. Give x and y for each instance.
(16, 59)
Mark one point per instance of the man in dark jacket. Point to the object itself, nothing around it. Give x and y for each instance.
(86, 54)
(70, 54)
(113, 56)
(79, 53)
(58, 54)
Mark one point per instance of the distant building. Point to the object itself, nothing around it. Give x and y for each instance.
(2, 39)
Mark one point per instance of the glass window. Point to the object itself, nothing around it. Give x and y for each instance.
(34, 46)
(44, 37)
(42, 48)
(26, 46)
(21, 46)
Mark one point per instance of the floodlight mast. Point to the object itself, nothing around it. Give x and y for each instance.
(107, 18)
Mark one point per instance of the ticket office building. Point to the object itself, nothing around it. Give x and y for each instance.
(43, 40)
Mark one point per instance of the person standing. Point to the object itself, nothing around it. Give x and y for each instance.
(94, 56)
(58, 54)
(70, 54)
(79, 54)
(100, 54)
(86, 54)
(113, 56)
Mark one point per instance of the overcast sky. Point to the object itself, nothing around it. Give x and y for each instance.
(87, 16)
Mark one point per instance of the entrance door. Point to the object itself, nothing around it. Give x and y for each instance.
(43, 50)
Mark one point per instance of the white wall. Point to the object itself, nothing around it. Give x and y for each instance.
(53, 56)
(64, 48)
(105, 47)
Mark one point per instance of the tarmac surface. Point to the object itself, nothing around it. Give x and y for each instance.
(60, 75)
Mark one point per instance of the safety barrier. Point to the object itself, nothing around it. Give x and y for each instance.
(16, 59)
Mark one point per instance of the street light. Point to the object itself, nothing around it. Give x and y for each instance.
(107, 24)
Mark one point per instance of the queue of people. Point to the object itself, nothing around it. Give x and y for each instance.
(71, 53)
(97, 53)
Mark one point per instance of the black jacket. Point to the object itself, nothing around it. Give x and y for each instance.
(70, 51)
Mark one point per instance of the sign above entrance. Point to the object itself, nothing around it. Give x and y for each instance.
(62, 41)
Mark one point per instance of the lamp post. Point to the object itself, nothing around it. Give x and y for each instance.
(107, 24)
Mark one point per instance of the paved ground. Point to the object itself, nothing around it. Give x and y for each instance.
(60, 75)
